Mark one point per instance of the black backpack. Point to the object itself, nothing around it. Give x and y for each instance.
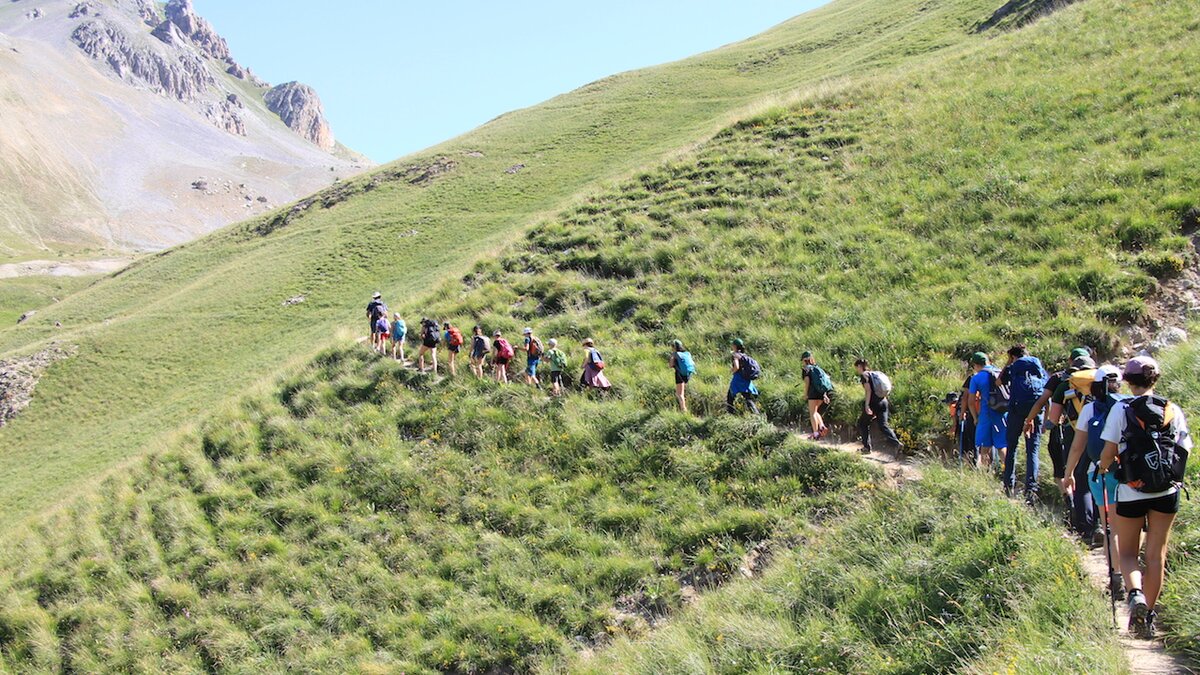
(431, 332)
(748, 367)
(1153, 460)
(999, 395)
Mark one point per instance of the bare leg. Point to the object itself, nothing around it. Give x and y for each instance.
(681, 395)
(815, 416)
(1157, 537)
(985, 457)
(1129, 540)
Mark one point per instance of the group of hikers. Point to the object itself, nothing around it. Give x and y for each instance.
(1118, 459)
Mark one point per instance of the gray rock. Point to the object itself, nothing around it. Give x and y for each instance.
(26, 316)
(1168, 337)
(514, 169)
(300, 108)
(296, 300)
(198, 30)
(19, 376)
(182, 76)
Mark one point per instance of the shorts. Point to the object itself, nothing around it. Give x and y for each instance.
(430, 344)
(991, 433)
(501, 361)
(1139, 509)
(398, 338)
(680, 378)
(385, 336)
(374, 329)
(453, 349)
(531, 367)
(556, 377)
(1095, 483)
(478, 355)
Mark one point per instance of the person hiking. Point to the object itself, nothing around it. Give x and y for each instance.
(479, 351)
(1087, 446)
(558, 365)
(819, 390)
(991, 429)
(1067, 402)
(533, 357)
(1150, 437)
(429, 344)
(1056, 378)
(502, 355)
(966, 441)
(745, 370)
(593, 368)
(375, 309)
(877, 390)
(454, 343)
(399, 331)
(684, 367)
(382, 334)
(1025, 378)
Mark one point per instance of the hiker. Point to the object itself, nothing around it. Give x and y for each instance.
(1070, 398)
(383, 334)
(877, 388)
(479, 351)
(399, 330)
(1062, 431)
(819, 390)
(1150, 436)
(1088, 444)
(454, 343)
(558, 364)
(375, 309)
(533, 357)
(684, 367)
(966, 441)
(1025, 378)
(502, 354)
(991, 429)
(429, 344)
(593, 368)
(745, 370)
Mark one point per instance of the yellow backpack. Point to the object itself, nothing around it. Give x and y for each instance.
(1079, 392)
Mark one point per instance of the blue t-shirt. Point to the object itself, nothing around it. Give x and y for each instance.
(981, 383)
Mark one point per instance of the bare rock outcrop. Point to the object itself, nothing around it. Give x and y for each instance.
(300, 108)
(224, 114)
(19, 377)
(195, 27)
(181, 75)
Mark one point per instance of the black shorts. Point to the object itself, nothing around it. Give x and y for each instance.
(1139, 509)
(500, 361)
(454, 349)
(430, 344)
(680, 378)
(556, 377)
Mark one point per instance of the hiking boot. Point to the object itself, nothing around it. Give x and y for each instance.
(1138, 611)
(865, 451)
(1116, 586)
(1097, 541)
(1148, 630)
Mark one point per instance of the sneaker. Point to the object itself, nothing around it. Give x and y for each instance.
(1148, 630)
(1116, 586)
(865, 451)
(825, 431)
(1138, 611)
(1097, 541)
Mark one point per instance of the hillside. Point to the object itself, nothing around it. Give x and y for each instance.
(357, 516)
(130, 127)
(177, 333)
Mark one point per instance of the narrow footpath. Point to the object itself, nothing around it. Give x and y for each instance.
(1144, 657)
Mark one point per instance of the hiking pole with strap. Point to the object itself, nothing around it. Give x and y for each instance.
(1112, 596)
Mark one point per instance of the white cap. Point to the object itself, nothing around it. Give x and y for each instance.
(528, 331)
(553, 342)
(1108, 372)
(377, 295)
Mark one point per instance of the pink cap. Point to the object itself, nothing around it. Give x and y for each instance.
(1141, 365)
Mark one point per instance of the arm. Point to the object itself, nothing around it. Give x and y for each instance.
(1108, 457)
(973, 406)
(1037, 408)
(866, 385)
(1077, 446)
(734, 369)
(1054, 416)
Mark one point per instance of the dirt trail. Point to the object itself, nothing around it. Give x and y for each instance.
(1147, 657)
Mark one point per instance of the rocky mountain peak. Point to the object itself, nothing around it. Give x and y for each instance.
(300, 108)
(182, 76)
(181, 13)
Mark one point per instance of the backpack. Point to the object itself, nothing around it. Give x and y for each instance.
(503, 349)
(456, 338)
(596, 359)
(1095, 426)
(748, 367)
(821, 383)
(684, 364)
(558, 360)
(375, 310)
(1153, 460)
(431, 333)
(535, 348)
(1079, 393)
(1026, 379)
(998, 395)
(399, 328)
(881, 385)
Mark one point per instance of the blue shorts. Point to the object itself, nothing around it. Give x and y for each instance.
(1094, 484)
(531, 367)
(992, 432)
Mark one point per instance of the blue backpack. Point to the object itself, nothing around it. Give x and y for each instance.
(1095, 426)
(684, 364)
(748, 367)
(821, 383)
(1026, 379)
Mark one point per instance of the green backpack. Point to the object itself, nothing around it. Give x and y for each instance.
(558, 360)
(820, 380)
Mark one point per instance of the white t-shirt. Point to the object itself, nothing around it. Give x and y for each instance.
(1114, 431)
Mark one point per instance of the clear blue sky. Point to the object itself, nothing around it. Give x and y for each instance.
(397, 76)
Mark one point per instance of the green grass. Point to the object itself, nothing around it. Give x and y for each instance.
(194, 326)
(22, 294)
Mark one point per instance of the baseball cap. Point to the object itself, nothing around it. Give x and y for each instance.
(806, 355)
(737, 342)
(1108, 371)
(527, 331)
(1141, 365)
(1080, 351)
(553, 343)
(496, 334)
(979, 359)
(1082, 362)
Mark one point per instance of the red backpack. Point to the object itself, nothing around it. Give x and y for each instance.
(503, 349)
(456, 338)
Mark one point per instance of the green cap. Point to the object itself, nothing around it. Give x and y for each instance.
(678, 344)
(737, 342)
(806, 355)
(1079, 351)
(979, 359)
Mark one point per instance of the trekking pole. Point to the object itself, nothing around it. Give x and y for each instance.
(1112, 596)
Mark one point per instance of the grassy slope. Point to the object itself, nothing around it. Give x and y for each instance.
(181, 331)
(363, 518)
